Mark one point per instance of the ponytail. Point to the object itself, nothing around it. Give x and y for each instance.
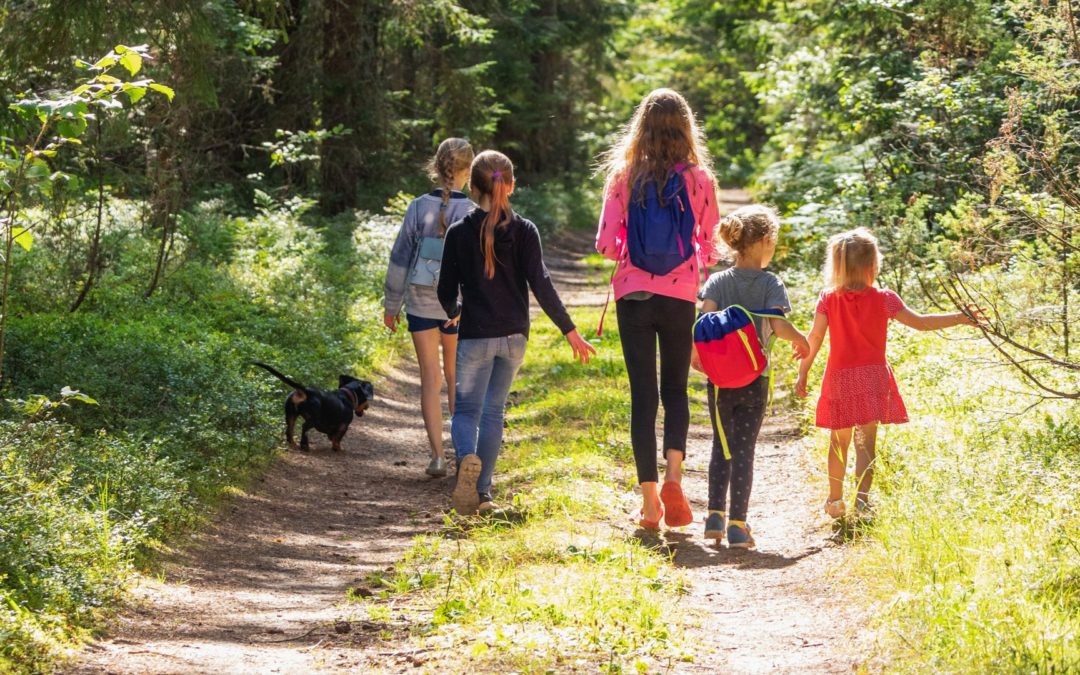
(493, 177)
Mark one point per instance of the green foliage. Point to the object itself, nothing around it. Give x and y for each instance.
(180, 415)
(974, 550)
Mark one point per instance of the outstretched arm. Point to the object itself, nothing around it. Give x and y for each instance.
(925, 322)
(814, 340)
(536, 273)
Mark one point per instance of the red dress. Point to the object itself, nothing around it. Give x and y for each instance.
(859, 387)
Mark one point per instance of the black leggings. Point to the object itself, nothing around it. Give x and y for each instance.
(741, 412)
(641, 323)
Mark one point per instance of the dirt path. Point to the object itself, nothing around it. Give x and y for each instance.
(262, 589)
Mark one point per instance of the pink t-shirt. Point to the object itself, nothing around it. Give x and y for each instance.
(682, 282)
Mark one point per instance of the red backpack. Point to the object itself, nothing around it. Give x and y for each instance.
(731, 352)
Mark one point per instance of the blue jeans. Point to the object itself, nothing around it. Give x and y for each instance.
(485, 370)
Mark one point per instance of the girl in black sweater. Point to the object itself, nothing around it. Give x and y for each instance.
(492, 257)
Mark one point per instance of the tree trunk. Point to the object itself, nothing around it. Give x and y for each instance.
(352, 96)
(93, 258)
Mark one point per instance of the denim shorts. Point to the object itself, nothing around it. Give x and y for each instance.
(420, 323)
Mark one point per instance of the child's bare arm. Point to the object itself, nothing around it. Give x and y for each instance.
(785, 330)
(925, 322)
(814, 338)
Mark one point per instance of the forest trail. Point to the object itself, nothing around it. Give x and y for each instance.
(779, 608)
(263, 587)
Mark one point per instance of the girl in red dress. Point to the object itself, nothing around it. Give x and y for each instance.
(858, 391)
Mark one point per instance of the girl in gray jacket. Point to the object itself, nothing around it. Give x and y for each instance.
(413, 275)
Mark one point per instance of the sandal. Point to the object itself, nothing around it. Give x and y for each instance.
(678, 511)
(645, 524)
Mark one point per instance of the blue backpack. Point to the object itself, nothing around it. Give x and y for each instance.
(660, 232)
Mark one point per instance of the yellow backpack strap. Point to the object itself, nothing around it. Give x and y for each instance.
(718, 427)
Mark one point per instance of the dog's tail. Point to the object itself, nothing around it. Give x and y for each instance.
(284, 378)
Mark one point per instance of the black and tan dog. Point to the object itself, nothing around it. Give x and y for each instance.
(328, 411)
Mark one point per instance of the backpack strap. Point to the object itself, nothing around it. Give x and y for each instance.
(691, 187)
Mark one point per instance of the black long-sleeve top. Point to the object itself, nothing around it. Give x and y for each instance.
(499, 306)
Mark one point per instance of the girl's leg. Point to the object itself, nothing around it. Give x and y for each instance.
(509, 355)
(449, 354)
(475, 359)
(638, 337)
(865, 454)
(839, 439)
(426, 343)
(675, 323)
(746, 418)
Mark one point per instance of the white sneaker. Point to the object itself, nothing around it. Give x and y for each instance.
(436, 468)
(836, 509)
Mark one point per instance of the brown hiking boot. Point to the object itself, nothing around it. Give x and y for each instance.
(465, 499)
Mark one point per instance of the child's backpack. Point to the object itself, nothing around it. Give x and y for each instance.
(731, 352)
(660, 231)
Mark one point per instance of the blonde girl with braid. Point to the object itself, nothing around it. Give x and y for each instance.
(858, 391)
(411, 280)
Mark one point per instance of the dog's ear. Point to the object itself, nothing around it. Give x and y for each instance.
(345, 380)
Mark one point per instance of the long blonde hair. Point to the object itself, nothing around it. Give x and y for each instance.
(493, 176)
(662, 133)
(852, 259)
(453, 155)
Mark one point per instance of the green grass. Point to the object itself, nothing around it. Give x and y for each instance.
(972, 562)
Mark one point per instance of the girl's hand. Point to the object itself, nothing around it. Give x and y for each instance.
(391, 321)
(695, 362)
(974, 316)
(582, 349)
(453, 322)
(800, 385)
(800, 347)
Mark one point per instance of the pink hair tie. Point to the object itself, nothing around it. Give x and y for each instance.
(496, 174)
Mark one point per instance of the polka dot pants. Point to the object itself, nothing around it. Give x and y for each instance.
(740, 413)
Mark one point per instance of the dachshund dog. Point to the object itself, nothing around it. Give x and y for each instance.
(328, 411)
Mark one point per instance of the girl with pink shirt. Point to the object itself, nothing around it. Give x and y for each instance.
(661, 138)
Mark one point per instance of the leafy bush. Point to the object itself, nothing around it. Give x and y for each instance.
(182, 415)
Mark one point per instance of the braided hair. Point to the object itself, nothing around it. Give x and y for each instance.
(454, 155)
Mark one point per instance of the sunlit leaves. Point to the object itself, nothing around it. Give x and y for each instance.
(162, 89)
(22, 237)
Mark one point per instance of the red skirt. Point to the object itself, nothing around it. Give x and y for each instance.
(859, 395)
